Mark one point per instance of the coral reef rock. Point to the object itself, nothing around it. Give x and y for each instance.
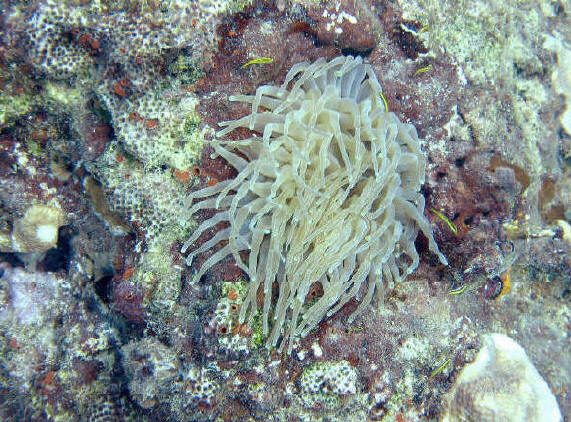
(37, 230)
(501, 385)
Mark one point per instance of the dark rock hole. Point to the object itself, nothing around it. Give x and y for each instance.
(58, 259)
(102, 287)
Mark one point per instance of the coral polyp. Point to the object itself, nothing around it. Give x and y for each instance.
(328, 194)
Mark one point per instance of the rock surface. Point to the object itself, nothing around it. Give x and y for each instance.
(501, 385)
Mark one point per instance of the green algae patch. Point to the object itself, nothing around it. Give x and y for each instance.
(13, 107)
(63, 95)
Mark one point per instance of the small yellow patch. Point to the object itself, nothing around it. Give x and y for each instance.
(458, 291)
(506, 283)
(260, 60)
(425, 28)
(422, 70)
(440, 368)
(449, 223)
(384, 102)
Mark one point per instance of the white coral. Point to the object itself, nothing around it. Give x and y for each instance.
(328, 195)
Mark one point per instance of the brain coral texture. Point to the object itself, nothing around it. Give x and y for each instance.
(328, 195)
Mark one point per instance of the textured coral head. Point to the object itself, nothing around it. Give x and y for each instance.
(328, 194)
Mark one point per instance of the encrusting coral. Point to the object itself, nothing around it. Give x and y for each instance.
(328, 195)
(37, 230)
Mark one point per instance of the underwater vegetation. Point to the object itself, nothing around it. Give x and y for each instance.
(330, 195)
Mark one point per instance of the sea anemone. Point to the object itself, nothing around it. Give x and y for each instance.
(328, 196)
